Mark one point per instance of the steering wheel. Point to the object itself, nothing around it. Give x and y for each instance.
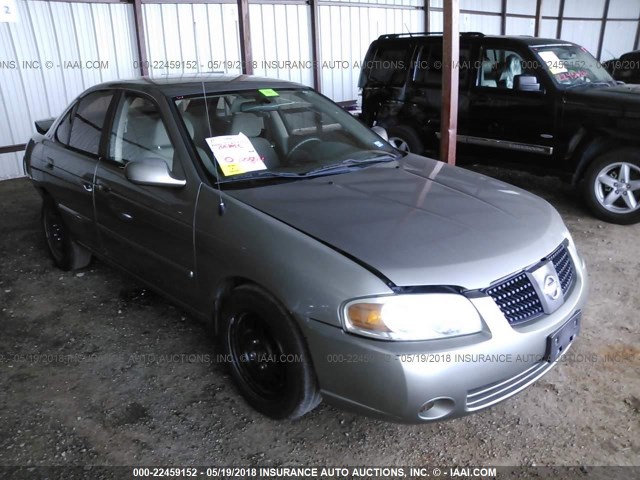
(300, 144)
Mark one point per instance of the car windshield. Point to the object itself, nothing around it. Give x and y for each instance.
(570, 65)
(270, 133)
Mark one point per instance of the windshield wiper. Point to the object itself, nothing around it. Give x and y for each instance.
(349, 164)
(342, 167)
(590, 84)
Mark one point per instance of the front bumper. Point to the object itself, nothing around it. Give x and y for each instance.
(416, 382)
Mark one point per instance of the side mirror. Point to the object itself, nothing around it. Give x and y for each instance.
(153, 172)
(381, 132)
(526, 83)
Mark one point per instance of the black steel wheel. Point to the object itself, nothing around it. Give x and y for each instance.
(268, 357)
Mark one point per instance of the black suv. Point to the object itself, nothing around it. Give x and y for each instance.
(538, 104)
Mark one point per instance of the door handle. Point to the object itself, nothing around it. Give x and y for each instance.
(49, 163)
(88, 187)
(125, 216)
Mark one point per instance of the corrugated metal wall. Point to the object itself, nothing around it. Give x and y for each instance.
(48, 60)
(281, 41)
(205, 37)
(346, 32)
(192, 38)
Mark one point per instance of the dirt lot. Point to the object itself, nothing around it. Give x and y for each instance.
(86, 378)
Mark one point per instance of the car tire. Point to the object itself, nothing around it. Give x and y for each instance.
(66, 253)
(267, 355)
(405, 139)
(612, 186)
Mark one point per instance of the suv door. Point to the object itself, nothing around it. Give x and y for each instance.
(146, 229)
(503, 121)
(71, 159)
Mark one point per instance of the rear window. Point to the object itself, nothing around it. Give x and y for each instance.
(387, 64)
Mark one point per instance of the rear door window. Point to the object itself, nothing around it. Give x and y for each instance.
(429, 65)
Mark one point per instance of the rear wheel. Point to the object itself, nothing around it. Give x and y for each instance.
(405, 139)
(66, 253)
(612, 186)
(268, 357)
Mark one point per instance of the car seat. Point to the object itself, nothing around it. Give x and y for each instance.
(512, 67)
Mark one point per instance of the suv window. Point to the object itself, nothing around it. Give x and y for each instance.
(88, 122)
(429, 66)
(389, 65)
(64, 129)
(139, 132)
(499, 67)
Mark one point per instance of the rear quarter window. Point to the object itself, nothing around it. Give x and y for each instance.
(388, 64)
(64, 129)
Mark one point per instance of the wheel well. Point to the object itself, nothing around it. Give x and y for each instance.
(222, 293)
(590, 145)
(44, 194)
(587, 151)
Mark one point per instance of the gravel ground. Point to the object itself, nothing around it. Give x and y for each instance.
(86, 377)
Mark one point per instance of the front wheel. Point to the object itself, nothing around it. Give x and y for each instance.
(269, 361)
(405, 139)
(612, 186)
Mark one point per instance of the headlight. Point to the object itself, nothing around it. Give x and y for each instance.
(412, 317)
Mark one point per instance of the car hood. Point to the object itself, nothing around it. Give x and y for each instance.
(418, 221)
(619, 97)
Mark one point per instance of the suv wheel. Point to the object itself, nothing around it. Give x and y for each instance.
(406, 139)
(66, 253)
(612, 186)
(268, 356)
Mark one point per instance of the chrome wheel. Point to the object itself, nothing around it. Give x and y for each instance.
(399, 143)
(617, 187)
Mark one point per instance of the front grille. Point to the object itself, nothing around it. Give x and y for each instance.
(517, 299)
(564, 267)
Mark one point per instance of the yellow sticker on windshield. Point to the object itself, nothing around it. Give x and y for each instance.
(268, 92)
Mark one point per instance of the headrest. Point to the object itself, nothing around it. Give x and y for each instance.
(514, 65)
(487, 66)
(248, 123)
(159, 135)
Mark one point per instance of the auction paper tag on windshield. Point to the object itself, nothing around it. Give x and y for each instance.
(235, 154)
(554, 64)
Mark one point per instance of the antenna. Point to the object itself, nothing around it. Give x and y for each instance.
(221, 206)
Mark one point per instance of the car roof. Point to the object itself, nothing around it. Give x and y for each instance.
(192, 84)
(477, 36)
